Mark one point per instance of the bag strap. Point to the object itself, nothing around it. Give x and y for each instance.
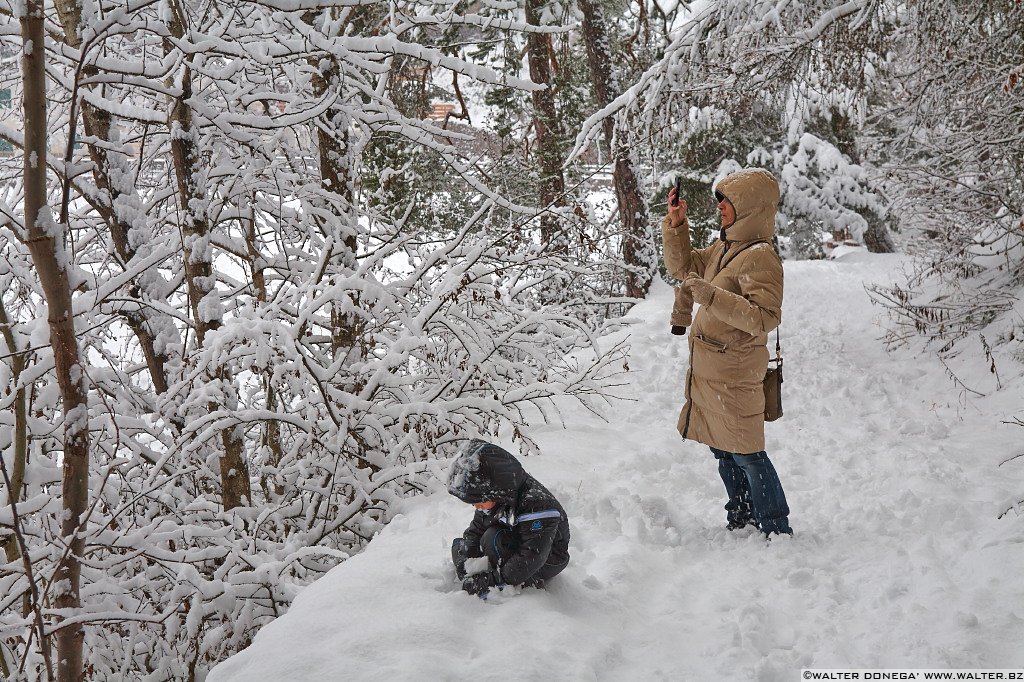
(778, 344)
(736, 254)
(775, 248)
(778, 349)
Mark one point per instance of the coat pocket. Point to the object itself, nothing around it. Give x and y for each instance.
(715, 361)
(711, 344)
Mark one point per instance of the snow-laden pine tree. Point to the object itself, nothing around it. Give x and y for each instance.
(823, 193)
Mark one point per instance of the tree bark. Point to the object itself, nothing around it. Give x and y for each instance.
(20, 426)
(271, 428)
(97, 123)
(876, 237)
(11, 550)
(236, 489)
(336, 178)
(545, 126)
(637, 239)
(45, 241)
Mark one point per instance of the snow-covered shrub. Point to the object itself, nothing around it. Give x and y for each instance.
(957, 182)
(250, 299)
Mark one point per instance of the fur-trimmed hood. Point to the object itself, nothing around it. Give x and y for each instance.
(754, 194)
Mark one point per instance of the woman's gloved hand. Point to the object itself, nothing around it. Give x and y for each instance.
(702, 291)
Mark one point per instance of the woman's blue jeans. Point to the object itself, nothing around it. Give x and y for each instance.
(755, 492)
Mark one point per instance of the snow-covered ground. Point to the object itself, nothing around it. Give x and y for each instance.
(898, 561)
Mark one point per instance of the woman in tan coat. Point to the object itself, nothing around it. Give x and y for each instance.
(737, 281)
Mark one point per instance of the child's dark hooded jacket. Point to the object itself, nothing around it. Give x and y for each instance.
(482, 472)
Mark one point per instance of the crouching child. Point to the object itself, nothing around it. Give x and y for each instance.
(518, 525)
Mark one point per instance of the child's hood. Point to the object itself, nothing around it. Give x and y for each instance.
(483, 471)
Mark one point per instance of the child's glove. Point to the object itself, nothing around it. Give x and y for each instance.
(481, 582)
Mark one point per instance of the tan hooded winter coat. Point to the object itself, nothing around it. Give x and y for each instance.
(728, 339)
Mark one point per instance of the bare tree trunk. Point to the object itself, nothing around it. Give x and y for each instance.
(14, 490)
(272, 428)
(545, 125)
(199, 274)
(876, 237)
(336, 177)
(97, 124)
(636, 235)
(45, 241)
(11, 550)
(195, 227)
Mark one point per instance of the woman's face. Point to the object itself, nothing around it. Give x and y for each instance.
(727, 212)
(485, 506)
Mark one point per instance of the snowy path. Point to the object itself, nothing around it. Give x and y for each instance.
(898, 559)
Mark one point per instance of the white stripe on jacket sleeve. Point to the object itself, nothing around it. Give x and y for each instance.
(549, 514)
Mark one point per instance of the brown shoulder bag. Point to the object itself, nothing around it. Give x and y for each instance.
(772, 384)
